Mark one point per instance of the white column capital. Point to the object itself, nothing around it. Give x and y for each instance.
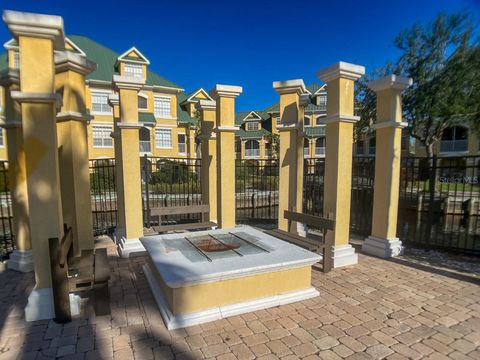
(206, 105)
(341, 69)
(389, 124)
(390, 82)
(113, 99)
(230, 91)
(290, 86)
(67, 60)
(36, 25)
(128, 82)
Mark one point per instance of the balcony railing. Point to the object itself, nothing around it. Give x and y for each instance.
(319, 151)
(182, 148)
(252, 153)
(453, 145)
(306, 151)
(145, 146)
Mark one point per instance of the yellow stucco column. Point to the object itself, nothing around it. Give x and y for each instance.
(340, 78)
(224, 96)
(383, 241)
(21, 259)
(192, 153)
(208, 139)
(38, 36)
(72, 122)
(290, 194)
(127, 165)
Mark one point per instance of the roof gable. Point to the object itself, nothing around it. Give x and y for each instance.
(199, 94)
(70, 45)
(133, 55)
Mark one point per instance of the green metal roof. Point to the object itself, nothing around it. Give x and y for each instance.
(146, 117)
(106, 59)
(182, 115)
(314, 131)
(252, 134)
(3, 61)
(243, 114)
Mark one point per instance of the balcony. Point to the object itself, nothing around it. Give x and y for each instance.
(447, 146)
(145, 146)
(320, 151)
(252, 153)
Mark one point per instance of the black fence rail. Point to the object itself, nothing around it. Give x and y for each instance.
(7, 238)
(168, 181)
(256, 191)
(103, 195)
(313, 186)
(363, 175)
(440, 202)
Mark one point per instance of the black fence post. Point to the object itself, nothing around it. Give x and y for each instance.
(432, 179)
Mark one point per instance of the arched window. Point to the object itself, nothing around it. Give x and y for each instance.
(306, 121)
(306, 147)
(454, 139)
(320, 146)
(144, 135)
(252, 149)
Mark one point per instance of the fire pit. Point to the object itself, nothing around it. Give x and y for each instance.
(204, 276)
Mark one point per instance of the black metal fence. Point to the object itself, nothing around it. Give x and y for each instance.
(7, 243)
(256, 191)
(103, 195)
(170, 182)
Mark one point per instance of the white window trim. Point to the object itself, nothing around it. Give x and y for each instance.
(92, 91)
(134, 74)
(178, 143)
(162, 116)
(171, 138)
(105, 125)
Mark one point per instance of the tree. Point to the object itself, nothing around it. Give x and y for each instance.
(274, 140)
(441, 58)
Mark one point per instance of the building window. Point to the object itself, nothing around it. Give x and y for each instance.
(322, 101)
(238, 146)
(144, 137)
(16, 60)
(306, 121)
(182, 143)
(163, 138)
(359, 150)
(101, 136)
(161, 106)
(278, 120)
(252, 149)
(319, 120)
(372, 144)
(135, 70)
(252, 126)
(306, 147)
(2, 143)
(454, 139)
(320, 146)
(142, 102)
(100, 103)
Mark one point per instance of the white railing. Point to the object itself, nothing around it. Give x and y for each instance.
(252, 153)
(319, 151)
(145, 146)
(453, 145)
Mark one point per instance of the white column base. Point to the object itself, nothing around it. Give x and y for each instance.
(21, 260)
(383, 248)
(344, 255)
(130, 247)
(40, 305)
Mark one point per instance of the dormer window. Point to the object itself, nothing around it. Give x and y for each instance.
(134, 70)
(252, 126)
(16, 60)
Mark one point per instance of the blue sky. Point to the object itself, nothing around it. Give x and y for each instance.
(247, 43)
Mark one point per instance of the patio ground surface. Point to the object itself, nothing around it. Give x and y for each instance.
(398, 309)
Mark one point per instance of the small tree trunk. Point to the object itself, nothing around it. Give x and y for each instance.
(429, 150)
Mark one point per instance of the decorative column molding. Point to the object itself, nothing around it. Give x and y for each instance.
(225, 128)
(38, 36)
(72, 138)
(127, 167)
(208, 138)
(383, 241)
(291, 147)
(340, 78)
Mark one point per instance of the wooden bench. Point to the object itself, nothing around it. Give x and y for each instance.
(316, 243)
(180, 210)
(90, 271)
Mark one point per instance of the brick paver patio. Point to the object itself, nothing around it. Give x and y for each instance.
(374, 310)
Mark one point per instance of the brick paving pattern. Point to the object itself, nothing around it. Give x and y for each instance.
(375, 310)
